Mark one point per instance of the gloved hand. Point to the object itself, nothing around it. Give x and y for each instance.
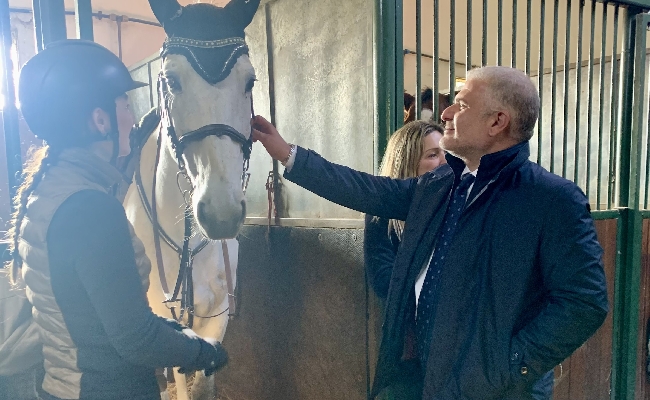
(213, 357)
(220, 358)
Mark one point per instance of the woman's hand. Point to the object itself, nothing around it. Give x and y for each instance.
(266, 133)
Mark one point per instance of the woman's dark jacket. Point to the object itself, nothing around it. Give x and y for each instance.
(379, 250)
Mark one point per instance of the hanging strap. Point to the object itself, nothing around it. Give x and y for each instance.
(156, 227)
(232, 299)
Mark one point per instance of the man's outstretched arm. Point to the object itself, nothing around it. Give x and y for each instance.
(375, 195)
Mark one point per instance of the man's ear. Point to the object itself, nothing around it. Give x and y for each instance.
(100, 121)
(499, 122)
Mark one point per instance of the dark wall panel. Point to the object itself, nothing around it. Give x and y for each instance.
(301, 329)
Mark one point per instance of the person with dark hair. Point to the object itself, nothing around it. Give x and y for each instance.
(499, 274)
(426, 97)
(85, 273)
(409, 107)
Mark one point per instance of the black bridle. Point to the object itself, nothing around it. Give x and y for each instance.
(179, 146)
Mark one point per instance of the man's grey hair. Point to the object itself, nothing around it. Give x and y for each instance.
(514, 90)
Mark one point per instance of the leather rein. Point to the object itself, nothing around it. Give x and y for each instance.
(184, 284)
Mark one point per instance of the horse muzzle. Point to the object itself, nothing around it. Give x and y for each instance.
(217, 220)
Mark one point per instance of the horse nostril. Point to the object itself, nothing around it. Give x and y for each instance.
(201, 212)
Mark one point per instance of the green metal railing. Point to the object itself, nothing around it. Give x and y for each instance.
(389, 75)
(577, 135)
(593, 126)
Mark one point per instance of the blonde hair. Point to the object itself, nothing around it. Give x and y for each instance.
(403, 155)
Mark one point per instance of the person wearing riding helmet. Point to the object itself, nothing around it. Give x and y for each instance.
(73, 248)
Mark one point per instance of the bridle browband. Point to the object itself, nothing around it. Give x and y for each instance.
(179, 146)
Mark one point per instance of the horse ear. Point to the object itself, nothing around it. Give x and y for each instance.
(241, 12)
(165, 10)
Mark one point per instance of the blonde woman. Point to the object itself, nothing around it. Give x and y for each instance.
(412, 150)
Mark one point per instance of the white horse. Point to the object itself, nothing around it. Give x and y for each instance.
(206, 103)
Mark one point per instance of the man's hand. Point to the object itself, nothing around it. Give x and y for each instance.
(266, 133)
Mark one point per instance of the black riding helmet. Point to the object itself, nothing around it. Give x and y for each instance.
(63, 84)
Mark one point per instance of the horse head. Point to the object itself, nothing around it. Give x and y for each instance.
(206, 103)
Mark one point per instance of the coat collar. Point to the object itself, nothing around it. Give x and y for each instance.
(492, 164)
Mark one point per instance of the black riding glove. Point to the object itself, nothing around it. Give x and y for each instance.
(213, 357)
(220, 359)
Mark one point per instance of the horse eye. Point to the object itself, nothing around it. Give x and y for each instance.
(250, 84)
(173, 84)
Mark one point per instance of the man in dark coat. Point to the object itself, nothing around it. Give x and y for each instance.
(493, 288)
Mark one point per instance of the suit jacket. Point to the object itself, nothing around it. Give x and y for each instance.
(523, 284)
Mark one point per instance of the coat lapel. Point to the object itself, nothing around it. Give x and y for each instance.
(425, 216)
(423, 222)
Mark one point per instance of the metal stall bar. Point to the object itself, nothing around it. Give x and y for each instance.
(389, 72)
(613, 129)
(647, 171)
(452, 52)
(485, 34)
(556, 6)
(52, 21)
(9, 112)
(567, 71)
(418, 60)
(625, 118)
(529, 12)
(601, 107)
(513, 61)
(468, 58)
(590, 97)
(270, 69)
(398, 49)
(626, 313)
(576, 162)
(540, 80)
(36, 5)
(436, 59)
(84, 21)
(500, 32)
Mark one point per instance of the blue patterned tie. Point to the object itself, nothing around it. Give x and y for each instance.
(427, 299)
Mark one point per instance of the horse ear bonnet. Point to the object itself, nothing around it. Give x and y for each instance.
(67, 79)
(210, 37)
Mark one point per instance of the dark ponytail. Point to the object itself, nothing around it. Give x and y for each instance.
(40, 160)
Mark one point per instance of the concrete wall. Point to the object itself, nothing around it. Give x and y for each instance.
(323, 60)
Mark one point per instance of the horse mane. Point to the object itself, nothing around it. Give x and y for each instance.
(139, 136)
